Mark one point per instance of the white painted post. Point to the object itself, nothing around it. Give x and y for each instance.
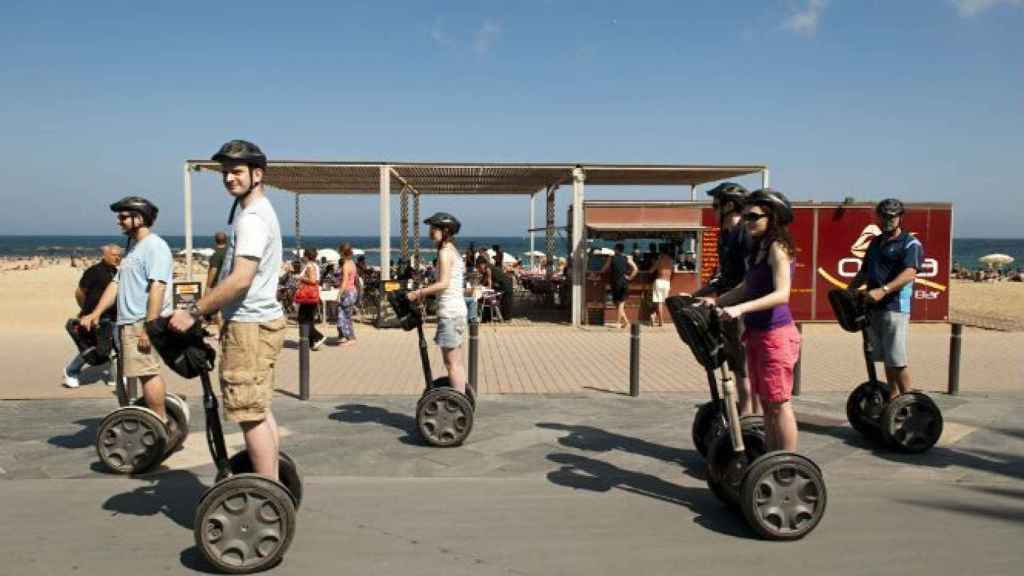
(188, 222)
(385, 222)
(693, 192)
(531, 229)
(766, 178)
(578, 250)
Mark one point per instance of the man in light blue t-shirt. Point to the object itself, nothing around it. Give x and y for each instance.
(246, 294)
(142, 290)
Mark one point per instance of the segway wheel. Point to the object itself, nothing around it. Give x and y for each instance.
(912, 423)
(287, 472)
(783, 496)
(864, 408)
(444, 417)
(725, 468)
(131, 440)
(244, 524)
(703, 424)
(180, 417)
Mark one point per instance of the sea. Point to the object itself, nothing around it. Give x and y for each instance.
(966, 251)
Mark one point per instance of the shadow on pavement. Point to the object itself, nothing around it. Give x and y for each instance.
(591, 439)
(363, 413)
(582, 473)
(84, 438)
(173, 494)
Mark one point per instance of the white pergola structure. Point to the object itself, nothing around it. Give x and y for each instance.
(471, 179)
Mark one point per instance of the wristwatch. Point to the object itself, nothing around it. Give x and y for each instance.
(193, 309)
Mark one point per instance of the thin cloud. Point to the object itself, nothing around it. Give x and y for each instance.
(438, 35)
(804, 19)
(968, 8)
(486, 37)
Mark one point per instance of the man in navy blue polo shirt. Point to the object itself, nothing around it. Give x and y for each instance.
(890, 266)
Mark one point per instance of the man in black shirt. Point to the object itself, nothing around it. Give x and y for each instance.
(733, 245)
(91, 286)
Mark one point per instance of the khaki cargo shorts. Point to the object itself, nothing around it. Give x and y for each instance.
(137, 363)
(248, 353)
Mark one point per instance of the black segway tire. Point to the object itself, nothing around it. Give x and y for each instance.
(912, 423)
(178, 412)
(725, 468)
(864, 409)
(131, 440)
(783, 496)
(244, 524)
(703, 423)
(444, 417)
(287, 472)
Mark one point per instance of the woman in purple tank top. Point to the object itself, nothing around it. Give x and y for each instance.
(762, 299)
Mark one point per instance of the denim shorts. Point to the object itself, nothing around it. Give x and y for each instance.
(450, 332)
(888, 334)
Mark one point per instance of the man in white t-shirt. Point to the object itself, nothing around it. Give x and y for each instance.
(246, 296)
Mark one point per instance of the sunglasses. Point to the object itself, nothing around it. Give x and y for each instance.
(123, 217)
(753, 216)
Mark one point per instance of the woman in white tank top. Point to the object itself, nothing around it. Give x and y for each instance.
(450, 288)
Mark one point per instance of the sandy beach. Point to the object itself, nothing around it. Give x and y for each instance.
(42, 299)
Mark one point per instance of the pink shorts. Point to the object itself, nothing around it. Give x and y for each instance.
(771, 355)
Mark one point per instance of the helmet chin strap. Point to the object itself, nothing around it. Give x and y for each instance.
(239, 199)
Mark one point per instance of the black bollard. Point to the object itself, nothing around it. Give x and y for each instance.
(304, 361)
(955, 344)
(799, 360)
(634, 359)
(474, 354)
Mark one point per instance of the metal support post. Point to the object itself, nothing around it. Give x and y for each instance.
(955, 346)
(416, 229)
(385, 222)
(298, 229)
(634, 359)
(404, 196)
(304, 361)
(474, 354)
(188, 222)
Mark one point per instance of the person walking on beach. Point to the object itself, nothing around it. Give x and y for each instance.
(762, 300)
(889, 269)
(733, 246)
(254, 322)
(90, 288)
(142, 291)
(348, 297)
(623, 270)
(310, 276)
(662, 270)
(450, 288)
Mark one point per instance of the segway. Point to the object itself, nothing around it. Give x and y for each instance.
(911, 423)
(133, 439)
(781, 494)
(444, 416)
(245, 522)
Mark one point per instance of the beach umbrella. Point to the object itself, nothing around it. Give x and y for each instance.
(328, 255)
(604, 252)
(358, 252)
(996, 259)
(535, 254)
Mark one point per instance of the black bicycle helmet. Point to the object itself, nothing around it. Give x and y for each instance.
(729, 192)
(890, 207)
(241, 151)
(444, 220)
(776, 201)
(139, 205)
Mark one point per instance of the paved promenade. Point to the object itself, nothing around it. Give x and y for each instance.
(577, 484)
(547, 359)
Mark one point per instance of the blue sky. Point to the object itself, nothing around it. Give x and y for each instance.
(920, 99)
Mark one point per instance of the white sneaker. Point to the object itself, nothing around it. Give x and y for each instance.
(70, 381)
(318, 343)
